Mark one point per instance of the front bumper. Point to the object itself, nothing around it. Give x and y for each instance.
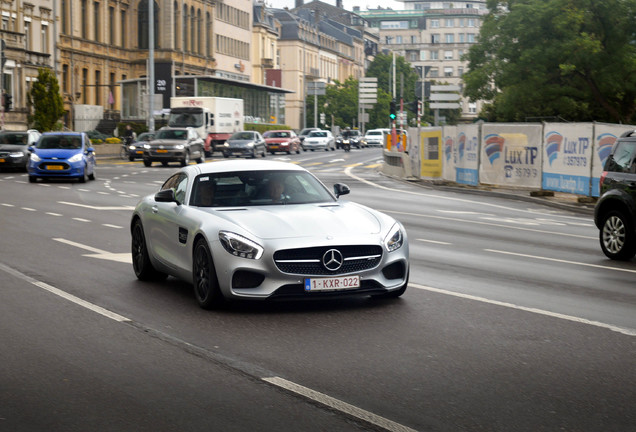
(270, 277)
(56, 168)
(9, 161)
(164, 155)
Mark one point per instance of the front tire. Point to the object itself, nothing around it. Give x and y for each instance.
(141, 261)
(147, 163)
(206, 286)
(186, 159)
(617, 237)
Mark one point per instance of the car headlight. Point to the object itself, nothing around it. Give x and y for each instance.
(147, 146)
(395, 239)
(240, 246)
(16, 154)
(250, 145)
(226, 144)
(35, 157)
(179, 147)
(132, 147)
(76, 157)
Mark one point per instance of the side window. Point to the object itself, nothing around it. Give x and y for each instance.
(181, 187)
(622, 159)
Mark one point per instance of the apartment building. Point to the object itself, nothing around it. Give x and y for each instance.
(434, 35)
(315, 47)
(27, 31)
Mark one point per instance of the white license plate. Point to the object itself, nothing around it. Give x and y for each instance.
(332, 283)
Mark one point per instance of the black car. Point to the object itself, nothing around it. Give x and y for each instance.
(615, 211)
(14, 146)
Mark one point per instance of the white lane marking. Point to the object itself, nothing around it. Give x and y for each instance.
(622, 330)
(53, 214)
(8, 205)
(112, 226)
(338, 405)
(487, 223)
(81, 219)
(348, 172)
(125, 257)
(461, 212)
(58, 292)
(44, 185)
(28, 209)
(100, 208)
(434, 241)
(561, 261)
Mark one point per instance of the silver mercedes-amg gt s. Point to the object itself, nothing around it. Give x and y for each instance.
(265, 230)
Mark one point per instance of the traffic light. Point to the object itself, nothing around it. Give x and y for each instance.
(8, 100)
(415, 106)
(392, 110)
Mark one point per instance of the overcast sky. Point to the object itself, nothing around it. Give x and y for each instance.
(348, 4)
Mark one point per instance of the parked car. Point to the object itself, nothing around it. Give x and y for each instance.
(62, 155)
(375, 137)
(136, 148)
(291, 239)
(318, 140)
(245, 143)
(615, 211)
(14, 148)
(303, 133)
(174, 144)
(282, 141)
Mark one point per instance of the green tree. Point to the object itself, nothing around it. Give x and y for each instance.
(574, 59)
(45, 102)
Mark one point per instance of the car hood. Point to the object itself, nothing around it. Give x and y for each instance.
(239, 143)
(167, 142)
(333, 220)
(57, 153)
(13, 147)
(277, 140)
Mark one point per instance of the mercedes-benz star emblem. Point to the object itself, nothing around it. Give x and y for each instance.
(332, 260)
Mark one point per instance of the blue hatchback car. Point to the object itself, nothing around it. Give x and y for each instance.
(62, 155)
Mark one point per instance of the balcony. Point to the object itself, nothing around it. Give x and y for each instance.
(267, 63)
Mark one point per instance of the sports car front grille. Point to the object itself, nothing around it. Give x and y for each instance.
(309, 261)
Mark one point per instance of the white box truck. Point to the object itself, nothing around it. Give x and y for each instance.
(215, 118)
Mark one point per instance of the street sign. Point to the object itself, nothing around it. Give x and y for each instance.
(445, 105)
(366, 101)
(445, 88)
(316, 88)
(445, 97)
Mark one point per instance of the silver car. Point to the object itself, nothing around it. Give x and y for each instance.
(319, 140)
(265, 230)
(174, 144)
(245, 143)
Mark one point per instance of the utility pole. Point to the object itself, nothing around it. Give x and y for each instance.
(151, 65)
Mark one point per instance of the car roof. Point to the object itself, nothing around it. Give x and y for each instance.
(240, 165)
(63, 133)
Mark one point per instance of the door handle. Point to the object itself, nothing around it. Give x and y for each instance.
(155, 209)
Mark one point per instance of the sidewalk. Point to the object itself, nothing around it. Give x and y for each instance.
(560, 200)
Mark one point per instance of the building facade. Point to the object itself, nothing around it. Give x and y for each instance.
(27, 32)
(435, 36)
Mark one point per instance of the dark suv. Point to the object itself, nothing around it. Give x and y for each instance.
(615, 212)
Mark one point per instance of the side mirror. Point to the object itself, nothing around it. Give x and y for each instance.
(340, 189)
(31, 148)
(166, 195)
(90, 150)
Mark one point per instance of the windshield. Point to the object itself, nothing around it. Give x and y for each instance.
(60, 142)
(10, 138)
(242, 136)
(185, 120)
(275, 134)
(179, 134)
(257, 188)
(374, 133)
(319, 134)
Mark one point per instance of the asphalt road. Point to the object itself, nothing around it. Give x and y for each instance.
(513, 320)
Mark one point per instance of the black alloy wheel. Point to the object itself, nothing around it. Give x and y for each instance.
(141, 261)
(206, 286)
